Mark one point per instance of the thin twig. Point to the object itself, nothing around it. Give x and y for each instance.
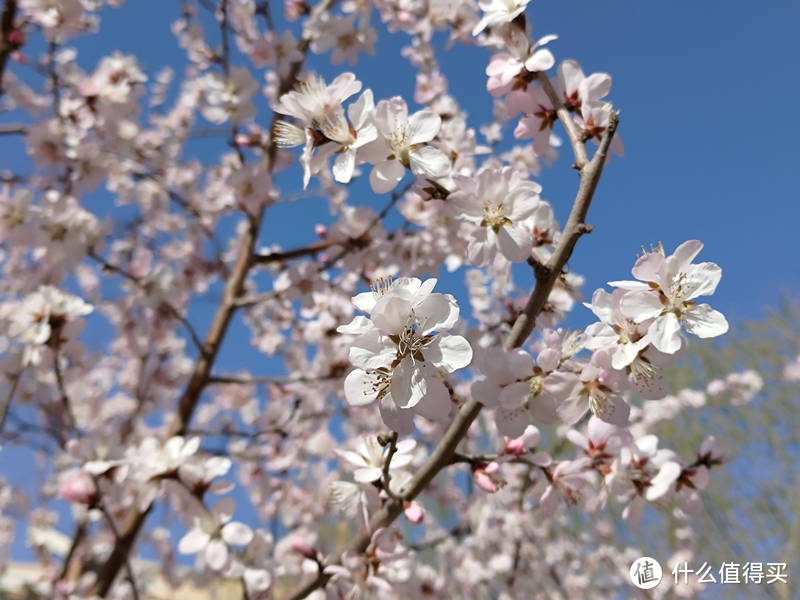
(575, 138)
(77, 539)
(13, 129)
(378, 218)
(137, 281)
(62, 391)
(386, 479)
(518, 542)
(9, 396)
(230, 379)
(310, 250)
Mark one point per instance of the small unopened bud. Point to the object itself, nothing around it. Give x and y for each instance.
(303, 548)
(16, 38)
(482, 474)
(320, 230)
(515, 446)
(414, 512)
(76, 485)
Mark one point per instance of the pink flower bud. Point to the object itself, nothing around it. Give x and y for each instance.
(293, 9)
(320, 230)
(514, 446)
(242, 139)
(76, 485)
(414, 512)
(303, 548)
(16, 37)
(483, 476)
(483, 481)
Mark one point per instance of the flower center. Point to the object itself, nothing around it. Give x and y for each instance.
(377, 382)
(382, 285)
(494, 216)
(598, 400)
(410, 343)
(535, 385)
(399, 144)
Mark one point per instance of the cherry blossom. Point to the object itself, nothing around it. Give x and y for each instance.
(369, 458)
(495, 207)
(666, 294)
(212, 533)
(498, 12)
(402, 143)
(399, 349)
(76, 485)
(513, 387)
(44, 317)
(570, 481)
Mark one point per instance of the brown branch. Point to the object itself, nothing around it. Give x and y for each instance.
(285, 379)
(190, 397)
(77, 540)
(574, 229)
(6, 27)
(9, 396)
(128, 566)
(387, 464)
(575, 137)
(62, 392)
(518, 542)
(443, 453)
(13, 129)
(310, 250)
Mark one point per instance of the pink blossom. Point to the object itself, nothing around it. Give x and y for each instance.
(76, 485)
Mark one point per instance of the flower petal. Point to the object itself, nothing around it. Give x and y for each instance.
(194, 541)
(216, 555)
(515, 242)
(427, 161)
(386, 175)
(665, 333)
(449, 352)
(237, 533)
(397, 419)
(705, 322)
(423, 126)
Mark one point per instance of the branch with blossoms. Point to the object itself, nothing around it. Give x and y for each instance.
(150, 420)
(404, 388)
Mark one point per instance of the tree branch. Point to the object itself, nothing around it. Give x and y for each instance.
(575, 138)
(386, 478)
(12, 387)
(6, 27)
(574, 229)
(13, 129)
